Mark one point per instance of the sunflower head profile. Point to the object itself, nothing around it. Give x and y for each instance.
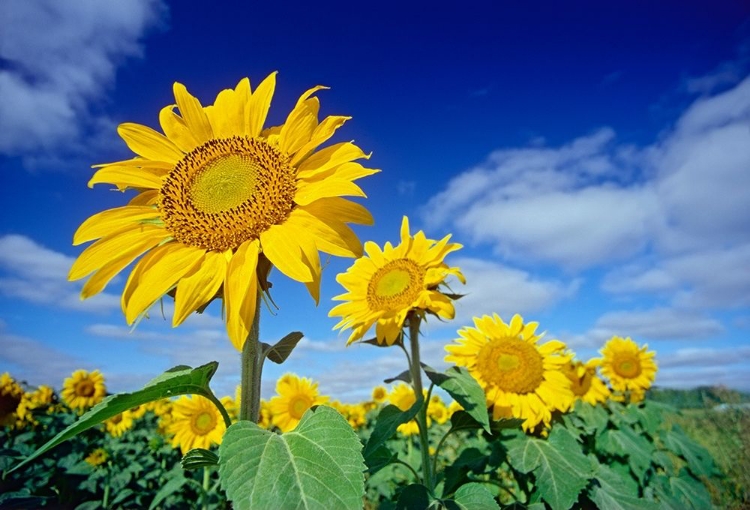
(628, 366)
(217, 197)
(384, 286)
(585, 384)
(521, 378)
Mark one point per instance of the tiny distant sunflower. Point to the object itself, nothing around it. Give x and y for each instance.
(97, 457)
(11, 395)
(627, 366)
(295, 396)
(520, 378)
(379, 394)
(437, 410)
(119, 424)
(137, 411)
(195, 423)
(585, 384)
(384, 286)
(219, 197)
(84, 389)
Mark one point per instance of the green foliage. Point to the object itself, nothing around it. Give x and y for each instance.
(280, 351)
(317, 465)
(464, 389)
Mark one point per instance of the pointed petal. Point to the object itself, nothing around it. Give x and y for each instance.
(148, 143)
(176, 130)
(105, 222)
(329, 158)
(322, 132)
(240, 292)
(192, 113)
(310, 192)
(128, 177)
(283, 245)
(260, 102)
(200, 287)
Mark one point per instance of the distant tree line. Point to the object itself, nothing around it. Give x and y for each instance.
(698, 398)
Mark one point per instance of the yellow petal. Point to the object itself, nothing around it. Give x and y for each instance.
(283, 245)
(177, 261)
(335, 209)
(351, 171)
(200, 287)
(310, 192)
(149, 197)
(192, 113)
(322, 132)
(111, 247)
(101, 278)
(328, 158)
(298, 127)
(331, 237)
(176, 129)
(148, 143)
(258, 105)
(240, 292)
(125, 177)
(105, 222)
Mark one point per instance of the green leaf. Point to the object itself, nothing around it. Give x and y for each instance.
(628, 443)
(403, 376)
(594, 419)
(198, 458)
(698, 459)
(180, 380)
(318, 465)
(691, 492)
(470, 459)
(388, 420)
(650, 417)
(617, 491)
(461, 420)
(379, 459)
(474, 496)
(279, 352)
(169, 488)
(464, 389)
(414, 496)
(559, 466)
(613, 501)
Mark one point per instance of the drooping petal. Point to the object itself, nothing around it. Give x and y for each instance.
(128, 177)
(198, 288)
(282, 244)
(240, 292)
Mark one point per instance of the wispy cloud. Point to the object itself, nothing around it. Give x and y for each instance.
(39, 275)
(60, 58)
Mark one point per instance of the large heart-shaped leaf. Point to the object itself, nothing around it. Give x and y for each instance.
(318, 465)
(464, 389)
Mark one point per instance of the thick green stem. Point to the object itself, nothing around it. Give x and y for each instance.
(206, 480)
(105, 498)
(252, 368)
(416, 381)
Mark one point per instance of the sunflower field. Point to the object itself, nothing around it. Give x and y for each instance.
(216, 201)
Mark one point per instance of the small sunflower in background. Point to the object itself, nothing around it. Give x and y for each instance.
(385, 285)
(195, 423)
(402, 396)
(295, 396)
(83, 389)
(585, 384)
(520, 378)
(97, 457)
(379, 394)
(218, 196)
(628, 366)
(117, 425)
(11, 395)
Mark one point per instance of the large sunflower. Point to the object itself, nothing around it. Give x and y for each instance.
(520, 378)
(195, 423)
(585, 384)
(384, 286)
(217, 196)
(83, 389)
(295, 396)
(627, 366)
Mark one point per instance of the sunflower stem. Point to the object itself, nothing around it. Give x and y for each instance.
(252, 369)
(416, 381)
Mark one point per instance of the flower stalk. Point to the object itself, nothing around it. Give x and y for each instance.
(252, 369)
(415, 370)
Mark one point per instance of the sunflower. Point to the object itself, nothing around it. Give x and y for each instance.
(383, 287)
(119, 424)
(218, 197)
(97, 457)
(520, 378)
(195, 423)
(627, 366)
(295, 396)
(32, 402)
(84, 389)
(11, 395)
(379, 393)
(437, 410)
(584, 383)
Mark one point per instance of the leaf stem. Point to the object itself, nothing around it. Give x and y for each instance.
(416, 381)
(400, 462)
(252, 368)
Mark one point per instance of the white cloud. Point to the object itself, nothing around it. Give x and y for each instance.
(39, 275)
(61, 57)
(36, 362)
(655, 324)
(496, 288)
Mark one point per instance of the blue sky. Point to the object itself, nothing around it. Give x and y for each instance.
(594, 160)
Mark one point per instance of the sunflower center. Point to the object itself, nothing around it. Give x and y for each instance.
(202, 423)
(227, 191)
(116, 418)
(299, 405)
(580, 385)
(85, 388)
(395, 285)
(628, 367)
(511, 364)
